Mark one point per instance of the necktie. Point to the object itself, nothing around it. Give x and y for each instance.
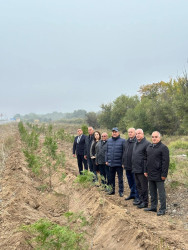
(78, 139)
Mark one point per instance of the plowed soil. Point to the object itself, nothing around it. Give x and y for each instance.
(116, 223)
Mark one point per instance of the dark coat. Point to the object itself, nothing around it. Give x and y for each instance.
(100, 152)
(157, 161)
(88, 141)
(78, 148)
(127, 154)
(139, 156)
(114, 152)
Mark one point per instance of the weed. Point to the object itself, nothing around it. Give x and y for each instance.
(42, 188)
(63, 176)
(174, 184)
(172, 166)
(75, 217)
(85, 179)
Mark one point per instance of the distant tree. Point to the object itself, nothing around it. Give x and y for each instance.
(92, 119)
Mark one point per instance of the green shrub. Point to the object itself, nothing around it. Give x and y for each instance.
(33, 161)
(85, 179)
(48, 235)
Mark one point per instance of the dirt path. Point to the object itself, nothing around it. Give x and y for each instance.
(115, 223)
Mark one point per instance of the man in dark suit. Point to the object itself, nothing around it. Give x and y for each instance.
(156, 171)
(78, 148)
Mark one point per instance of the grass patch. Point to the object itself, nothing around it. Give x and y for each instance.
(175, 184)
(85, 179)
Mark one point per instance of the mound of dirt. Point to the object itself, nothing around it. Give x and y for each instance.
(114, 222)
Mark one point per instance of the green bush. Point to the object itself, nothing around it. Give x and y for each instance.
(48, 235)
(85, 179)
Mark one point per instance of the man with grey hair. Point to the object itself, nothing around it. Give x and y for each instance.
(156, 171)
(138, 165)
(100, 158)
(127, 163)
(88, 142)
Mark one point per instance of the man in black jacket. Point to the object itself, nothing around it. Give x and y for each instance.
(88, 142)
(100, 158)
(127, 163)
(156, 171)
(78, 148)
(138, 164)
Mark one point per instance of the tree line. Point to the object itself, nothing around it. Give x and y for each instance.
(161, 106)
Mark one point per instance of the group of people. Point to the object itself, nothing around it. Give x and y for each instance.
(146, 164)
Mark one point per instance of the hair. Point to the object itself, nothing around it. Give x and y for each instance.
(140, 129)
(98, 133)
(133, 129)
(157, 132)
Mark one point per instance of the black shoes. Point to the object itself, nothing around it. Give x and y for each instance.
(161, 212)
(142, 205)
(136, 202)
(111, 193)
(129, 198)
(149, 209)
(121, 194)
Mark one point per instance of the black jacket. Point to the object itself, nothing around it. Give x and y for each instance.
(127, 154)
(139, 156)
(100, 152)
(78, 148)
(157, 161)
(88, 141)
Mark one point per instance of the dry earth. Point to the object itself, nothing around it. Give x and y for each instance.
(116, 223)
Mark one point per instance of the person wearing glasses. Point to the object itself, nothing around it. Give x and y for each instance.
(100, 158)
(114, 153)
(156, 171)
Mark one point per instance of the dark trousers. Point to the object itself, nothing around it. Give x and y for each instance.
(119, 171)
(142, 187)
(90, 164)
(103, 173)
(107, 170)
(155, 186)
(81, 161)
(94, 169)
(132, 183)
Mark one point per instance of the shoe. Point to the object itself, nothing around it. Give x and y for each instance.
(121, 194)
(142, 205)
(161, 212)
(149, 209)
(136, 202)
(111, 193)
(129, 198)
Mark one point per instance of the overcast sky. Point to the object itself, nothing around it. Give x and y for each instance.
(65, 55)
